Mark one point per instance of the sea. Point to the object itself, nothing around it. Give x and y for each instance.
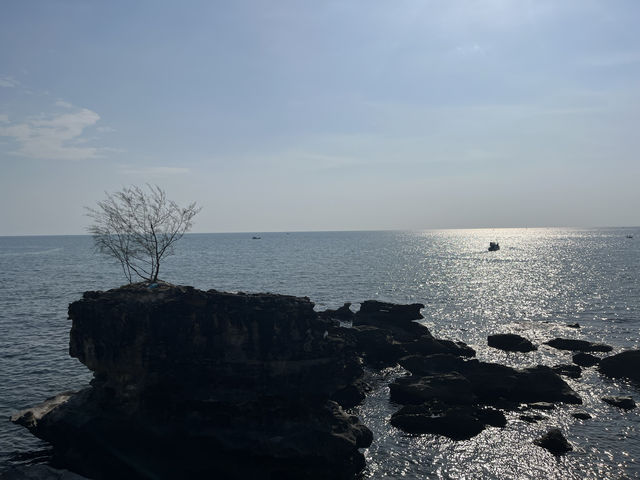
(541, 280)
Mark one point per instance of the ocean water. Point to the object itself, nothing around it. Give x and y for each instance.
(540, 280)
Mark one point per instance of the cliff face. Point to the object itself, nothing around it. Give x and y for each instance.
(190, 383)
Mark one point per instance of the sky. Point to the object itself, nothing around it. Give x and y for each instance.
(323, 115)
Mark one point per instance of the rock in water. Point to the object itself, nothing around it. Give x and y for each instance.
(624, 402)
(554, 441)
(578, 345)
(573, 371)
(194, 384)
(585, 359)
(624, 364)
(510, 342)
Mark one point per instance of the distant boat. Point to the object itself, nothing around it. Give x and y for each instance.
(629, 236)
(256, 238)
(493, 246)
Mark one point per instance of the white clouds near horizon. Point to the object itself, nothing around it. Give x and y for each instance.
(57, 136)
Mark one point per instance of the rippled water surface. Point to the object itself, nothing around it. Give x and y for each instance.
(540, 280)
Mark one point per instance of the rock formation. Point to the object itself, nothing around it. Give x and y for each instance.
(578, 345)
(510, 342)
(624, 364)
(194, 384)
(554, 441)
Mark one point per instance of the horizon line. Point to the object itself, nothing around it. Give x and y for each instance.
(338, 231)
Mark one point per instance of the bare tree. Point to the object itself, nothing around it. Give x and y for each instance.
(139, 228)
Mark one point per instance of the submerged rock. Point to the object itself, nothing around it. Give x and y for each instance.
(578, 345)
(624, 402)
(581, 415)
(194, 384)
(554, 441)
(510, 342)
(573, 371)
(532, 417)
(624, 364)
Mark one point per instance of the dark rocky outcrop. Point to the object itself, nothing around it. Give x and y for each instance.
(399, 320)
(624, 402)
(510, 342)
(554, 441)
(489, 383)
(194, 384)
(572, 371)
(624, 364)
(386, 332)
(578, 345)
(343, 313)
(458, 422)
(447, 391)
(585, 359)
(38, 472)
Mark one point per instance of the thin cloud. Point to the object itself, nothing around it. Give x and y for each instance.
(8, 82)
(53, 137)
(63, 104)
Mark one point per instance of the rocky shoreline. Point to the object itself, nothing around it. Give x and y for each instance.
(189, 383)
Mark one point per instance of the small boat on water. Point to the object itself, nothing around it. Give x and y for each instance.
(256, 238)
(629, 236)
(493, 246)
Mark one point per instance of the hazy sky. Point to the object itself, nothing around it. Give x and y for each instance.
(323, 115)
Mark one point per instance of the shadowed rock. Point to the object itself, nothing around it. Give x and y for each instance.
(449, 388)
(343, 313)
(554, 441)
(578, 345)
(193, 384)
(456, 422)
(510, 342)
(585, 359)
(581, 415)
(624, 364)
(495, 384)
(38, 472)
(624, 402)
(572, 371)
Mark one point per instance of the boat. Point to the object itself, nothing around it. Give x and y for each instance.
(629, 236)
(255, 238)
(493, 246)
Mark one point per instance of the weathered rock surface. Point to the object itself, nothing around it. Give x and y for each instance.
(510, 342)
(445, 393)
(578, 345)
(585, 359)
(386, 332)
(554, 441)
(624, 364)
(490, 383)
(624, 402)
(193, 384)
(343, 313)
